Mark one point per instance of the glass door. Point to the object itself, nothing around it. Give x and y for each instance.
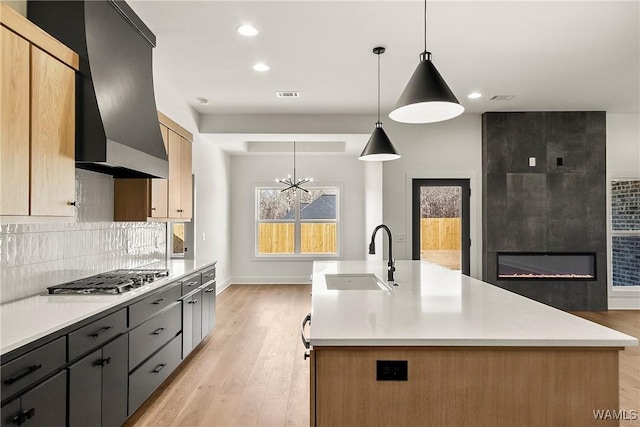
(440, 222)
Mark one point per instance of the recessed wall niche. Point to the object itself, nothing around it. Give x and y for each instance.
(549, 205)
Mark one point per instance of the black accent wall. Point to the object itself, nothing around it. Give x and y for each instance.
(558, 205)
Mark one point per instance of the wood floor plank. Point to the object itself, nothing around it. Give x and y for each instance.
(250, 371)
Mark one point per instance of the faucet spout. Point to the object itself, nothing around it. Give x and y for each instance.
(372, 250)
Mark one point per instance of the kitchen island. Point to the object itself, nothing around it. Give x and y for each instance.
(444, 349)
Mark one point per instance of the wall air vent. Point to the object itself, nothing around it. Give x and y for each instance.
(288, 94)
(502, 97)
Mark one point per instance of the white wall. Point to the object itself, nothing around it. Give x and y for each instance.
(211, 168)
(249, 170)
(451, 149)
(623, 161)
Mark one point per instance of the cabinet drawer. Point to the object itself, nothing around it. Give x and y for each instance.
(150, 374)
(190, 283)
(142, 310)
(96, 333)
(209, 275)
(33, 366)
(150, 336)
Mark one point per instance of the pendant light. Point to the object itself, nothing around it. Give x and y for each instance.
(426, 98)
(379, 148)
(290, 182)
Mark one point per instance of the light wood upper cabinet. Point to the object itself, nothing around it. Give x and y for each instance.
(37, 122)
(160, 187)
(186, 184)
(52, 136)
(160, 199)
(180, 186)
(14, 124)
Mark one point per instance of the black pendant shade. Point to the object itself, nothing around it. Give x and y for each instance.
(426, 98)
(379, 148)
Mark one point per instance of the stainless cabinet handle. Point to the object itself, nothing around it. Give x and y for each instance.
(157, 331)
(193, 301)
(209, 290)
(158, 301)
(305, 340)
(210, 275)
(192, 283)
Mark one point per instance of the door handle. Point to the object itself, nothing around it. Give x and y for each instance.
(305, 340)
(102, 362)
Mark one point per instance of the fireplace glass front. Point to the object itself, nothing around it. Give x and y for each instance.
(546, 266)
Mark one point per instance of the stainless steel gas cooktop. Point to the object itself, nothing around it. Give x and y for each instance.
(110, 283)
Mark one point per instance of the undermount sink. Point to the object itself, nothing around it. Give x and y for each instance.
(355, 282)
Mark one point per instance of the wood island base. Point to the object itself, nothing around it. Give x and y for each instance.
(465, 386)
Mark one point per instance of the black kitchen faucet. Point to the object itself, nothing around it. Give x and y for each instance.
(372, 250)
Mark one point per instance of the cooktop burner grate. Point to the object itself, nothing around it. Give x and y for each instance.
(112, 282)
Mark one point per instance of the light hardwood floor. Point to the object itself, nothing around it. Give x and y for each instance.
(250, 371)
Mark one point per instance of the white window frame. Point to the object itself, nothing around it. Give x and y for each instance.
(297, 256)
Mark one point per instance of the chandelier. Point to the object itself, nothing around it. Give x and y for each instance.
(291, 182)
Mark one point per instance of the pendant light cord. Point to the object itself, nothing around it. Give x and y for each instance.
(378, 88)
(294, 162)
(425, 25)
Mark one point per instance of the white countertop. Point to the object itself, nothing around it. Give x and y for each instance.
(29, 319)
(434, 306)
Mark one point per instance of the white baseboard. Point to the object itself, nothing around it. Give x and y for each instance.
(223, 286)
(285, 280)
(627, 298)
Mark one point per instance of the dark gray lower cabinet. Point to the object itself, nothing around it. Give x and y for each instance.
(96, 387)
(43, 406)
(191, 321)
(208, 307)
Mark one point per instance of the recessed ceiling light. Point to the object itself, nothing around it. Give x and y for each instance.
(474, 95)
(204, 101)
(261, 67)
(247, 30)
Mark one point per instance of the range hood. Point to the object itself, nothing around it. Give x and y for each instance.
(117, 130)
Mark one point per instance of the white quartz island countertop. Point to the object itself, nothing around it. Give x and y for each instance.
(434, 306)
(29, 319)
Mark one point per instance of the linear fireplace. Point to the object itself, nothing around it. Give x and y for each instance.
(546, 266)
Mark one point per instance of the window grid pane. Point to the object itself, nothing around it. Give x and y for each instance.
(276, 238)
(318, 238)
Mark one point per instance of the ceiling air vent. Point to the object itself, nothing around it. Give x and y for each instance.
(288, 94)
(502, 97)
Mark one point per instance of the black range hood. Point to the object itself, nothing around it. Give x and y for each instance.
(117, 130)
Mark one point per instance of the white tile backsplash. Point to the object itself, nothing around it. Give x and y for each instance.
(34, 256)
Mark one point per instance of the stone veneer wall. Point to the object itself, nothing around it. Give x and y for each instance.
(547, 207)
(34, 256)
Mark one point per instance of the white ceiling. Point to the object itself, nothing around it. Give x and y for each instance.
(574, 55)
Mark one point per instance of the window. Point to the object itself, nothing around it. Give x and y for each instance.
(625, 232)
(177, 239)
(297, 223)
